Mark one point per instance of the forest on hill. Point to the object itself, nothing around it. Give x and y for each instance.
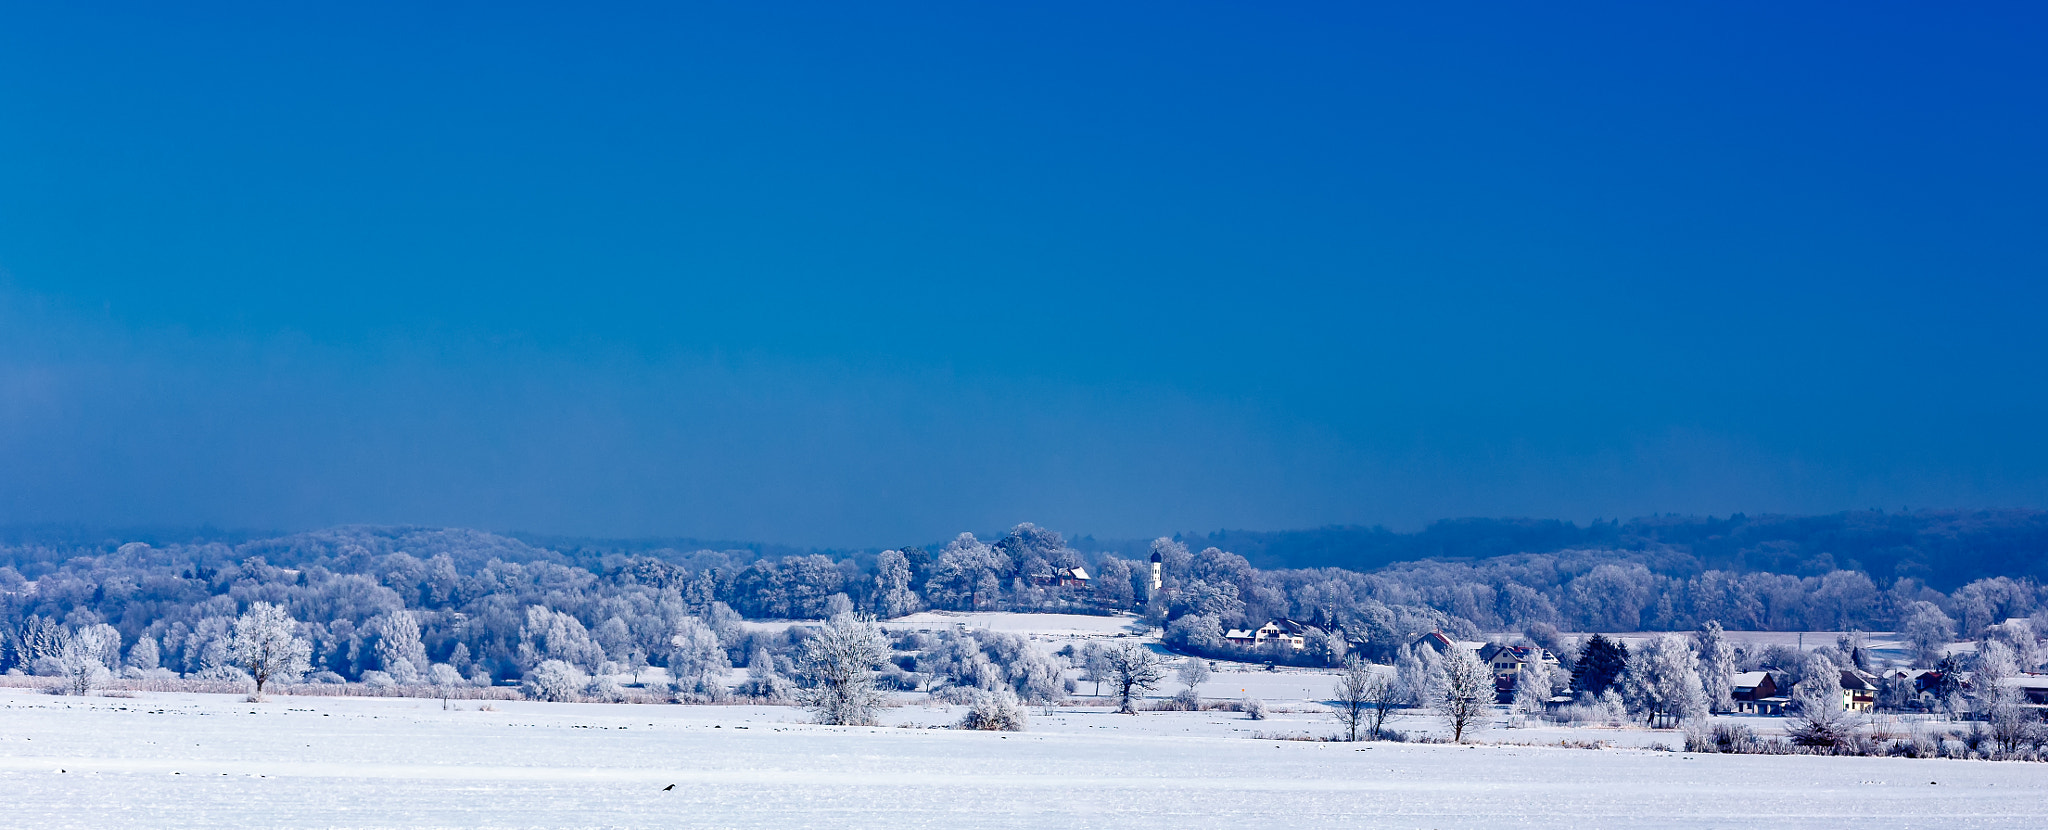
(397, 599)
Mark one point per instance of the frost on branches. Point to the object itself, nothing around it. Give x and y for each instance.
(997, 711)
(265, 645)
(1464, 692)
(1133, 670)
(1661, 682)
(839, 663)
(555, 681)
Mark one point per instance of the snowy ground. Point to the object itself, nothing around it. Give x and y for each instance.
(1050, 625)
(167, 760)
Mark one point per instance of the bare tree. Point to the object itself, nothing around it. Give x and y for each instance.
(79, 662)
(1464, 692)
(1191, 674)
(1133, 670)
(839, 663)
(266, 645)
(1094, 662)
(1360, 693)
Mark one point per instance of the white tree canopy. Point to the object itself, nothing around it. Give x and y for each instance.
(265, 644)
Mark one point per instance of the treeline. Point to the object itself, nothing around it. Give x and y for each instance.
(1946, 549)
(395, 603)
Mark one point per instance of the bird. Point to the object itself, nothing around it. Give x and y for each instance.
(667, 788)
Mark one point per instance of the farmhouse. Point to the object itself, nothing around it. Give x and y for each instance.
(1859, 691)
(2034, 686)
(1283, 631)
(1756, 693)
(1074, 577)
(1507, 661)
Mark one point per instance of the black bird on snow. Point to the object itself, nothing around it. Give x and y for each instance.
(667, 788)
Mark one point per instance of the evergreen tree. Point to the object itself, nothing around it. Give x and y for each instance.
(1600, 665)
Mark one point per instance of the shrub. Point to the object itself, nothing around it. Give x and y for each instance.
(554, 680)
(1721, 737)
(1252, 708)
(606, 689)
(995, 712)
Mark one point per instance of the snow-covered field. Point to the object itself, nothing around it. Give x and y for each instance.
(168, 760)
(1049, 625)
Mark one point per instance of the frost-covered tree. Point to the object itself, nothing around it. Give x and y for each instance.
(1193, 672)
(1415, 673)
(965, 577)
(1464, 692)
(894, 596)
(555, 681)
(1094, 662)
(39, 640)
(997, 711)
(1993, 667)
(696, 663)
(143, 655)
(1818, 718)
(1662, 684)
(1133, 670)
(839, 663)
(1716, 666)
(957, 660)
(1359, 692)
(265, 643)
(398, 648)
(553, 635)
(101, 642)
(837, 604)
(1532, 688)
(2018, 636)
(1113, 584)
(1037, 677)
(2003, 707)
(444, 676)
(763, 681)
(80, 661)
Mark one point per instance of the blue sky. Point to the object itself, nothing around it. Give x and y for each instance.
(872, 275)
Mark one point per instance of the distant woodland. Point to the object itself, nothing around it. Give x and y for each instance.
(491, 607)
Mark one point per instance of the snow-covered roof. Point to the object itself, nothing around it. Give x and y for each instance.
(2026, 681)
(1749, 679)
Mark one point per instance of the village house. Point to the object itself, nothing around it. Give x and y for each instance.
(1441, 643)
(1507, 661)
(1283, 631)
(2034, 686)
(1074, 577)
(1859, 691)
(1756, 693)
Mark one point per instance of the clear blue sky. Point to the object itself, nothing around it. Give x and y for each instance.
(860, 274)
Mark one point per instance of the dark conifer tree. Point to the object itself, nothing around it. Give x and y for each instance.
(1600, 663)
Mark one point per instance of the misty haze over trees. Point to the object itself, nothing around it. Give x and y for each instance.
(411, 605)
